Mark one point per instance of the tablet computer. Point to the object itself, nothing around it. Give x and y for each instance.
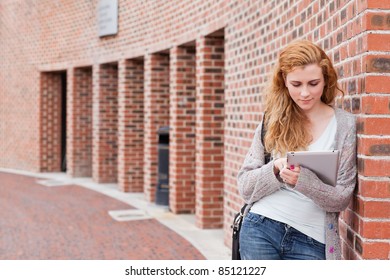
(323, 163)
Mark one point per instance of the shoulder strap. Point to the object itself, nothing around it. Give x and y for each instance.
(267, 156)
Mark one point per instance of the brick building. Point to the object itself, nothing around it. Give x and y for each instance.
(91, 105)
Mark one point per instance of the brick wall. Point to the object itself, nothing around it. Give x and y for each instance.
(156, 115)
(182, 135)
(79, 146)
(105, 123)
(210, 97)
(355, 35)
(199, 67)
(19, 102)
(368, 237)
(131, 125)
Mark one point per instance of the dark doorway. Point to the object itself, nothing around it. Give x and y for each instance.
(63, 121)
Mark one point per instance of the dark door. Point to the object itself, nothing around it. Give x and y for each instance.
(63, 121)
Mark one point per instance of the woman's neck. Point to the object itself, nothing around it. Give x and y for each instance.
(319, 120)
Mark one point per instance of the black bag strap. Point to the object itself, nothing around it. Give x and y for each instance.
(237, 222)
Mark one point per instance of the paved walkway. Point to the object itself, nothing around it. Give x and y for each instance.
(51, 216)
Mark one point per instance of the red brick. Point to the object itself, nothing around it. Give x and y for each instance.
(375, 229)
(374, 126)
(375, 104)
(378, 84)
(378, 4)
(378, 42)
(378, 21)
(374, 146)
(372, 249)
(378, 63)
(374, 189)
(373, 209)
(374, 167)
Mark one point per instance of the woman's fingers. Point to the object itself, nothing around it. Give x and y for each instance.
(279, 164)
(290, 176)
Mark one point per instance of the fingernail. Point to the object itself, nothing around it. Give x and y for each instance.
(292, 166)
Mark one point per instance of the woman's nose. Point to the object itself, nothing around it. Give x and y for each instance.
(304, 92)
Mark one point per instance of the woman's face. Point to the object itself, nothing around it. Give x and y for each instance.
(305, 86)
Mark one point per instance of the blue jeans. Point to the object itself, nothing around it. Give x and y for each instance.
(262, 238)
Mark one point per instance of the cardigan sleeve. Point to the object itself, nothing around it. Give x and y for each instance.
(256, 179)
(333, 198)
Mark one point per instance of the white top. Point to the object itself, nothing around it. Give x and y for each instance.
(293, 208)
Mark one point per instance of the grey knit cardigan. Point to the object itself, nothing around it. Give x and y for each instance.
(257, 180)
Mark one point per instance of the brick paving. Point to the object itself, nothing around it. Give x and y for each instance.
(72, 222)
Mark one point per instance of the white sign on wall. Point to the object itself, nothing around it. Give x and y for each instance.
(108, 17)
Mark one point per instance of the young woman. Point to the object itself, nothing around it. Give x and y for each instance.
(291, 213)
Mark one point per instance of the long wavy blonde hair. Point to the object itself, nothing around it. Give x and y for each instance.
(285, 122)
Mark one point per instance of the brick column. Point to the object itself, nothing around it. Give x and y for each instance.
(79, 147)
(105, 120)
(370, 231)
(182, 134)
(156, 114)
(209, 132)
(130, 125)
(50, 123)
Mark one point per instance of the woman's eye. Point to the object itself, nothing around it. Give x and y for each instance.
(314, 84)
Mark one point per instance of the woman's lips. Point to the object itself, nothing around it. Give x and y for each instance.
(306, 101)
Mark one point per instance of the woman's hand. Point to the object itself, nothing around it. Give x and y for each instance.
(289, 174)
